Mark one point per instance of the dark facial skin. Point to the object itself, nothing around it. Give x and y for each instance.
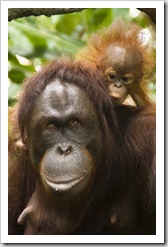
(64, 136)
(121, 68)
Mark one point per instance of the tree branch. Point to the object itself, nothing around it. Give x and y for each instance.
(15, 13)
(150, 12)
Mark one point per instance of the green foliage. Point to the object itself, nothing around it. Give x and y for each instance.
(34, 40)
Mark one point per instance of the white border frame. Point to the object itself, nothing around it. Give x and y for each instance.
(159, 237)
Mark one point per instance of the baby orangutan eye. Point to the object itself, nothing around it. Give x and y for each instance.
(127, 79)
(111, 76)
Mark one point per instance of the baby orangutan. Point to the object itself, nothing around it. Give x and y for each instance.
(126, 62)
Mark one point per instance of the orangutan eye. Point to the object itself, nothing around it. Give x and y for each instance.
(111, 76)
(51, 126)
(74, 123)
(127, 79)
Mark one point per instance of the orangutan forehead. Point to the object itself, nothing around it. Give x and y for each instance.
(119, 56)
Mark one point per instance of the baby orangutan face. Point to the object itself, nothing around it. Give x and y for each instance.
(120, 67)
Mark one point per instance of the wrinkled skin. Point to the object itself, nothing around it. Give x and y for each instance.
(64, 128)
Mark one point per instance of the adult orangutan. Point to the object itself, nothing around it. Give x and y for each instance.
(77, 163)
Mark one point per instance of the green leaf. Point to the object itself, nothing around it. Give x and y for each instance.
(16, 75)
(13, 90)
(19, 43)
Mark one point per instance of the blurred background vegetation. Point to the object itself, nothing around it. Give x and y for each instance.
(32, 41)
